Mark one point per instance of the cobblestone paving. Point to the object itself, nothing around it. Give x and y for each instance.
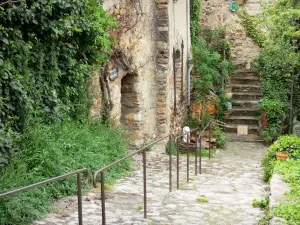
(223, 194)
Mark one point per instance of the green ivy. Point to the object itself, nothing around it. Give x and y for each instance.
(275, 112)
(250, 23)
(47, 53)
(195, 19)
(288, 144)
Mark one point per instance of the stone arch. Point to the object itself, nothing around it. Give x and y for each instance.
(131, 108)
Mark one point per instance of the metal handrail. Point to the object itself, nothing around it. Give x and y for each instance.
(208, 125)
(102, 170)
(79, 191)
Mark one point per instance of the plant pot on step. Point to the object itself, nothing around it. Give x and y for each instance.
(241, 2)
(281, 155)
(226, 114)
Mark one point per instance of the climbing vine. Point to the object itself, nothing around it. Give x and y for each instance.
(47, 53)
(250, 23)
(195, 19)
(279, 66)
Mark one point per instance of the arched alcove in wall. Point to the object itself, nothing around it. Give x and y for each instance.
(130, 107)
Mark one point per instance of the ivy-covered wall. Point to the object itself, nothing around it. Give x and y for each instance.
(47, 53)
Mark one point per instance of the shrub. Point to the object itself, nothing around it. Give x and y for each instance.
(290, 207)
(288, 144)
(167, 148)
(53, 150)
(275, 114)
(221, 140)
(48, 50)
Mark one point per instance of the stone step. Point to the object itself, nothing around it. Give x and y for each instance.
(232, 128)
(233, 137)
(245, 111)
(246, 96)
(247, 120)
(245, 80)
(248, 104)
(244, 72)
(246, 87)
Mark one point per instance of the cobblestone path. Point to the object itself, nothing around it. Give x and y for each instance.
(223, 194)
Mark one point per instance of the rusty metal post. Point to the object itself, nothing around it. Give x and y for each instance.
(196, 156)
(103, 199)
(145, 184)
(170, 163)
(200, 155)
(177, 148)
(182, 53)
(174, 82)
(79, 199)
(188, 158)
(209, 139)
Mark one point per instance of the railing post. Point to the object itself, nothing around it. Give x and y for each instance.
(145, 184)
(177, 148)
(79, 199)
(103, 198)
(170, 163)
(209, 138)
(196, 155)
(200, 154)
(188, 157)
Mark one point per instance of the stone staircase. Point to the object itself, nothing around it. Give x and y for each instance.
(245, 85)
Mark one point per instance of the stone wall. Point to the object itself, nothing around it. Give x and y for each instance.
(140, 74)
(171, 38)
(215, 13)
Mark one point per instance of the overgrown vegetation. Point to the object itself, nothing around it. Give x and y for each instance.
(287, 144)
(251, 23)
(47, 53)
(263, 204)
(53, 150)
(279, 65)
(48, 50)
(195, 18)
(289, 208)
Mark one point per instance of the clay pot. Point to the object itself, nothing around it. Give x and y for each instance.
(241, 2)
(281, 155)
(226, 114)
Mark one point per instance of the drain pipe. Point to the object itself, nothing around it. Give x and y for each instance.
(189, 54)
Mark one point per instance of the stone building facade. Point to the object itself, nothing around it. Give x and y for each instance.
(216, 13)
(140, 74)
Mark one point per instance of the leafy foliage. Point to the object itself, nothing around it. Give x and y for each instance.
(275, 112)
(290, 207)
(279, 63)
(250, 23)
(51, 151)
(195, 19)
(288, 144)
(47, 52)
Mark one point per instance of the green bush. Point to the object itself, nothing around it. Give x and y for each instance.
(48, 50)
(173, 147)
(288, 144)
(53, 150)
(275, 115)
(221, 140)
(290, 207)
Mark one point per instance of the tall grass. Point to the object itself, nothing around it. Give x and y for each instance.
(53, 150)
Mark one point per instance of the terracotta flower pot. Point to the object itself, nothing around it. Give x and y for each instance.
(241, 2)
(281, 155)
(226, 114)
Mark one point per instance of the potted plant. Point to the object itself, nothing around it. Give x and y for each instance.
(226, 114)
